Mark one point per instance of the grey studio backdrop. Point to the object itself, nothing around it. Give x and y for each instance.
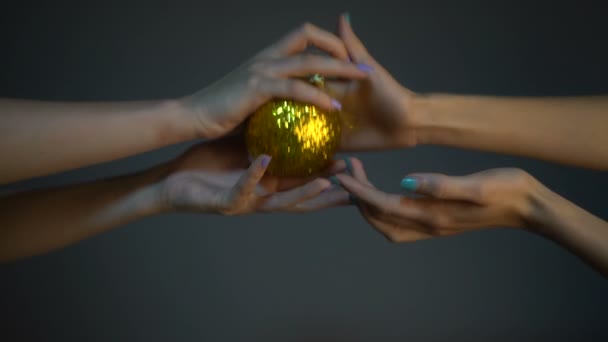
(325, 276)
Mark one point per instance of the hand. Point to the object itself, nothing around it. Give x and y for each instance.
(377, 109)
(447, 205)
(223, 106)
(216, 177)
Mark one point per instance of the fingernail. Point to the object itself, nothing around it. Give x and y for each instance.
(349, 166)
(266, 161)
(365, 68)
(347, 17)
(409, 184)
(352, 199)
(334, 180)
(336, 104)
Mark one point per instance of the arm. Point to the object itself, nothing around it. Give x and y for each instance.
(36, 222)
(38, 138)
(212, 177)
(451, 205)
(571, 226)
(385, 115)
(565, 130)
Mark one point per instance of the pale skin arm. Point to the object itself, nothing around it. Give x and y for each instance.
(569, 130)
(387, 115)
(39, 138)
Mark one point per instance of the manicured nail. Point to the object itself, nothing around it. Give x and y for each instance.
(266, 161)
(352, 199)
(347, 17)
(409, 184)
(349, 166)
(334, 180)
(336, 104)
(365, 68)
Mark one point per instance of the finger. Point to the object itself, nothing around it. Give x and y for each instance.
(354, 46)
(357, 171)
(248, 182)
(404, 232)
(440, 186)
(287, 199)
(299, 91)
(287, 183)
(326, 199)
(382, 202)
(308, 34)
(305, 65)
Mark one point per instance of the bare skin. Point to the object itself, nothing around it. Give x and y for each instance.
(39, 138)
(387, 115)
(214, 178)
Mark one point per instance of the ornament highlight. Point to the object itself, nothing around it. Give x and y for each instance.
(301, 138)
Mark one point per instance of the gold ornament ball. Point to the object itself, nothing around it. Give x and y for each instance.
(300, 138)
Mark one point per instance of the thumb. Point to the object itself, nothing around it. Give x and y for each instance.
(251, 178)
(441, 186)
(354, 46)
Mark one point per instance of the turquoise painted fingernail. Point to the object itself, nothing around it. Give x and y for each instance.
(347, 17)
(352, 199)
(334, 180)
(349, 165)
(409, 184)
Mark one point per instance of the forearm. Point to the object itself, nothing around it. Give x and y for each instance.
(570, 226)
(37, 222)
(39, 138)
(565, 130)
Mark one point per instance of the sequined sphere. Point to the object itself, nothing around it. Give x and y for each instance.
(301, 139)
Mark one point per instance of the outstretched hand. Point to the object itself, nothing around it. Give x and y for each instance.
(218, 177)
(445, 205)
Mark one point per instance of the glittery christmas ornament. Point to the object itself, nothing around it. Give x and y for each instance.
(301, 138)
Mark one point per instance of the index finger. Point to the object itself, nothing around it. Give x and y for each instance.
(297, 41)
(381, 201)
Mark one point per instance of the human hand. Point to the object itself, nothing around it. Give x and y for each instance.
(447, 205)
(217, 177)
(378, 110)
(220, 108)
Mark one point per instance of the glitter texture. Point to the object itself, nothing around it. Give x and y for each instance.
(301, 139)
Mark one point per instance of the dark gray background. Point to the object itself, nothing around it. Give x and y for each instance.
(326, 276)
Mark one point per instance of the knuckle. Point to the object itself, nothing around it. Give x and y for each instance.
(439, 222)
(520, 177)
(435, 187)
(254, 81)
(306, 27)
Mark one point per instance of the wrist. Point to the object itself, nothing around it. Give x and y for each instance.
(439, 119)
(149, 198)
(177, 124)
(540, 203)
(195, 111)
(424, 109)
